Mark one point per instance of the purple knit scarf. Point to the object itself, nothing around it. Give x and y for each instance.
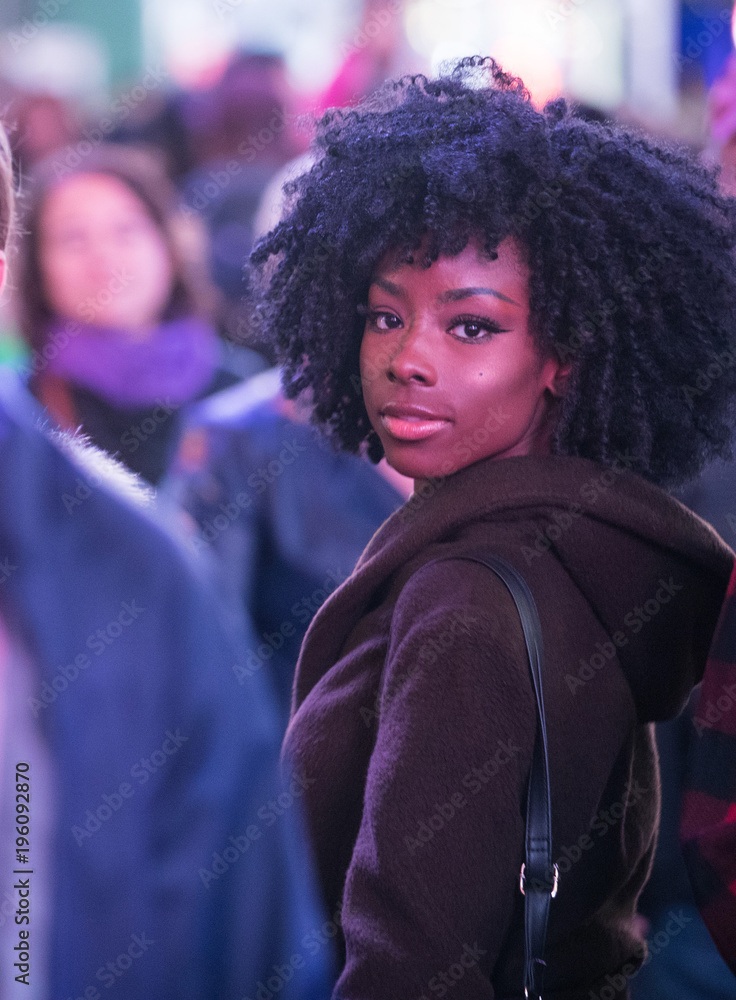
(176, 362)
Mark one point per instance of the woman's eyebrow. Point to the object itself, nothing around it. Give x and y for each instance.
(454, 294)
(388, 286)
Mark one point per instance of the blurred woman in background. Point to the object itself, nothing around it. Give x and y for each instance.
(115, 308)
(136, 775)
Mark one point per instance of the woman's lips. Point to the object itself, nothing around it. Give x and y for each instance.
(411, 427)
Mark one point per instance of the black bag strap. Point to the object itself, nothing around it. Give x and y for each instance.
(539, 877)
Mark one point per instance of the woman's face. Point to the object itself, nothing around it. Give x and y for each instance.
(103, 259)
(450, 371)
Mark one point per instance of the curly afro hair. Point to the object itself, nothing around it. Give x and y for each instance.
(629, 246)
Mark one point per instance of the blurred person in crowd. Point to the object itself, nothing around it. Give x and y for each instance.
(251, 95)
(691, 968)
(495, 298)
(203, 128)
(37, 123)
(242, 133)
(722, 111)
(683, 962)
(701, 791)
(116, 310)
(222, 145)
(159, 123)
(708, 820)
(712, 495)
(42, 124)
(147, 841)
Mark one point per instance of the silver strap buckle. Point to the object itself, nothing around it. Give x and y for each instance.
(555, 881)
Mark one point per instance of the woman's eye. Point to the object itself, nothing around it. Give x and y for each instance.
(71, 241)
(383, 320)
(474, 329)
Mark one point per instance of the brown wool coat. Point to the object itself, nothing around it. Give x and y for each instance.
(414, 717)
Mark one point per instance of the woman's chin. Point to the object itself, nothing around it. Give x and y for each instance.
(421, 468)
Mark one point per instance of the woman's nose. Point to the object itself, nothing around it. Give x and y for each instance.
(101, 250)
(411, 359)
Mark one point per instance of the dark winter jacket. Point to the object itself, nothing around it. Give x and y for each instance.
(414, 717)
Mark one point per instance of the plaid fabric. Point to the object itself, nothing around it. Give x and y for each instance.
(708, 822)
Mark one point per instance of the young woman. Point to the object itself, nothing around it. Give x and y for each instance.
(532, 316)
(115, 314)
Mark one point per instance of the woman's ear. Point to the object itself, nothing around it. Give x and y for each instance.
(558, 388)
(556, 375)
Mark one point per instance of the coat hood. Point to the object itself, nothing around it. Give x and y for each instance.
(653, 572)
